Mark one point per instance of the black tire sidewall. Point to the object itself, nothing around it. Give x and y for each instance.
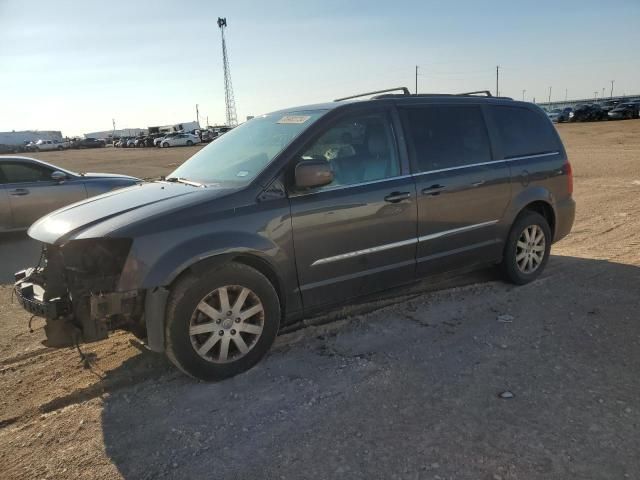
(182, 306)
(509, 265)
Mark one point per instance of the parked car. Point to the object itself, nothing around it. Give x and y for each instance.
(182, 139)
(158, 141)
(624, 111)
(30, 188)
(122, 142)
(203, 265)
(131, 142)
(560, 115)
(587, 112)
(45, 145)
(140, 142)
(89, 143)
(609, 105)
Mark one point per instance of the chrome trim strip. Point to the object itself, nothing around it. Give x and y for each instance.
(453, 231)
(365, 251)
(402, 243)
(514, 159)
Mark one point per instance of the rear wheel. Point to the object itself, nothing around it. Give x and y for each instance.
(527, 250)
(165, 145)
(221, 323)
(189, 143)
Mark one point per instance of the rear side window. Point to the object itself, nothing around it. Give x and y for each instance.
(523, 132)
(446, 136)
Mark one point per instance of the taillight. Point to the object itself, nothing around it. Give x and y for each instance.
(569, 171)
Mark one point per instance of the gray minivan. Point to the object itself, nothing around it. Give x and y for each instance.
(296, 211)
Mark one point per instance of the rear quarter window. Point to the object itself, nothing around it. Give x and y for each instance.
(523, 131)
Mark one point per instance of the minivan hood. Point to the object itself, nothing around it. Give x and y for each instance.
(140, 199)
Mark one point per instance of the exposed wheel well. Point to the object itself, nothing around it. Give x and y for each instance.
(546, 210)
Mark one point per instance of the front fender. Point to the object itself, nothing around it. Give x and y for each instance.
(143, 272)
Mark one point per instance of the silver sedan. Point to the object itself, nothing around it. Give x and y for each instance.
(30, 188)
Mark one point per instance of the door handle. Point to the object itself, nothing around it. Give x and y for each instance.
(478, 183)
(396, 197)
(19, 192)
(433, 189)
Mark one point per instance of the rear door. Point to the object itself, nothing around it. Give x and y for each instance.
(32, 193)
(462, 190)
(357, 235)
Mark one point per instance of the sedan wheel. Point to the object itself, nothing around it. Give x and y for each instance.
(226, 324)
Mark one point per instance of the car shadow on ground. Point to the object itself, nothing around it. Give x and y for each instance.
(17, 252)
(411, 390)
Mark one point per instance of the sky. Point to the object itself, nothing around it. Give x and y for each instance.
(73, 66)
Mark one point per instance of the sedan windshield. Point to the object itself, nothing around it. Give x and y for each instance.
(242, 153)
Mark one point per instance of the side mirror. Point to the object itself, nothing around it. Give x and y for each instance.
(313, 173)
(58, 176)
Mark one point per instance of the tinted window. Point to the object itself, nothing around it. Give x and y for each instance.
(359, 148)
(23, 172)
(447, 136)
(523, 131)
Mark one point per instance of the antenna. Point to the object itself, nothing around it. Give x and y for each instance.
(230, 103)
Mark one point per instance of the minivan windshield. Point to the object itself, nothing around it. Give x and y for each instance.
(242, 153)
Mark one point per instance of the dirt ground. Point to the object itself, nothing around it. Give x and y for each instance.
(406, 387)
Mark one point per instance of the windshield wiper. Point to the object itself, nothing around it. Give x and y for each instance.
(185, 181)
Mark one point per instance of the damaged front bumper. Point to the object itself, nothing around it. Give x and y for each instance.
(75, 290)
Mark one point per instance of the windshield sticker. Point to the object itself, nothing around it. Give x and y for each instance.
(242, 173)
(294, 119)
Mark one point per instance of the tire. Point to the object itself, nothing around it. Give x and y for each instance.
(189, 143)
(59, 148)
(184, 314)
(510, 266)
(165, 145)
(37, 149)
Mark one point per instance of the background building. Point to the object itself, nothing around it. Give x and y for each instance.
(20, 138)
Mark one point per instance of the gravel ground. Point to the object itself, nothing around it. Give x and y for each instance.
(406, 387)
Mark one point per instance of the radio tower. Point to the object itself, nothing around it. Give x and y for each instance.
(232, 119)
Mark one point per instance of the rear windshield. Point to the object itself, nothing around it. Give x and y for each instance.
(242, 153)
(523, 132)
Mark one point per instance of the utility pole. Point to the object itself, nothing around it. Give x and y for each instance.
(497, 81)
(612, 88)
(549, 96)
(566, 94)
(602, 93)
(113, 121)
(416, 79)
(207, 121)
(595, 95)
(523, 92)
(197, 115)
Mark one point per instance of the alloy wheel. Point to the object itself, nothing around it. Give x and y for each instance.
(226, 324)
(530, 249)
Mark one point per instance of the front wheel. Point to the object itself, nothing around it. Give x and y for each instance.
(165, 145)
(527, 250)
(222, 322)
(189, 143)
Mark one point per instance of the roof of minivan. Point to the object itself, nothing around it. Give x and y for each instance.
(420, 98)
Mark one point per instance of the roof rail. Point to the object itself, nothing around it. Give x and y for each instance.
(487, 93)
(405, 91)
